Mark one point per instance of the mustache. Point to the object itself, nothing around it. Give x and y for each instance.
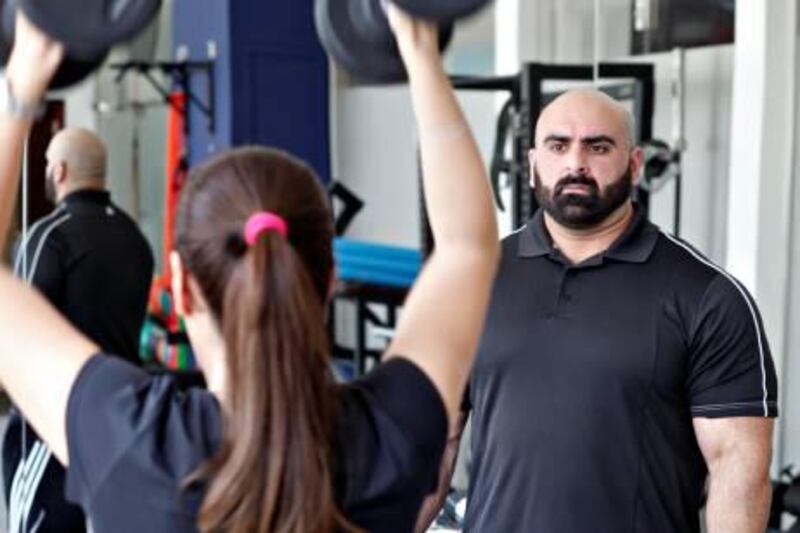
(575, 179)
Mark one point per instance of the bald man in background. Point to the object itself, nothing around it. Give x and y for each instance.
(92, 262)
(619, 369)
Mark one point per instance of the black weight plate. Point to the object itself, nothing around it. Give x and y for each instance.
(442, 10)
(88, 28)
(361, 42)
(70, 72)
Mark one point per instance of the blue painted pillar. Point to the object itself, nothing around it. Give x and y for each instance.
(271, 76)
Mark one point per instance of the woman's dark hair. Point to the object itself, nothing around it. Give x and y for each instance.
(273, 470)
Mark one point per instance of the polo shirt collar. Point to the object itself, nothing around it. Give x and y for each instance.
(534, 239)
(96, 196)
(635, 245)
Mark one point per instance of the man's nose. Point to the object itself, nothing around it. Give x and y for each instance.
(577, 163)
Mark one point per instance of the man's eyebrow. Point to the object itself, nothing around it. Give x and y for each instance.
(557, 138)
(597, 139)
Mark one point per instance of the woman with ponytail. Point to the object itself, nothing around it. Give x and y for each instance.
(273, 444)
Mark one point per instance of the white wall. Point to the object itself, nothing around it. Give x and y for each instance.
(573, 35)
(790, 386)
(376, 146)
(791, 382)
(78, 101)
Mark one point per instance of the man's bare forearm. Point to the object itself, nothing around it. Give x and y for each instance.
(738, 500)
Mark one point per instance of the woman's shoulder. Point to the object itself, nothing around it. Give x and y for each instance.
(390, 434)
(128, 428)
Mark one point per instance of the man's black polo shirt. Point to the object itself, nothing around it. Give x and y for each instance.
(95, 266)
(588, 377)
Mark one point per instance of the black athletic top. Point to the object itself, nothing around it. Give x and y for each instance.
(133, 439)
(94, 265)
(588, 378)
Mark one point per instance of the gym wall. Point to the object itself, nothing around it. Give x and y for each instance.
(791, 389)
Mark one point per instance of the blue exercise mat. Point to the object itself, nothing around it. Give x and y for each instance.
(377, 264)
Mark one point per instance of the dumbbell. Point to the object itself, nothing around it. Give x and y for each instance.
(88, 29)
(357, 35)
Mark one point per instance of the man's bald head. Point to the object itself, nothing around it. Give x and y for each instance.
(588, 108)
(82, 153)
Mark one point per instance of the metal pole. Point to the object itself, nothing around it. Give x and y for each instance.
(678, 128)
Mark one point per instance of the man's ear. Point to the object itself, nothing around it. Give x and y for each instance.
(637, 164)
(60, 173)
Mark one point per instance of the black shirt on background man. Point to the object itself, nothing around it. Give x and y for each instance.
(91, 261)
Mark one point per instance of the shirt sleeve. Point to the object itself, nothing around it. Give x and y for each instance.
(731, 372)
(126, 428)
(400, 422)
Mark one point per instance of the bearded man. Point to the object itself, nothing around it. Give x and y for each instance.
(623, 379)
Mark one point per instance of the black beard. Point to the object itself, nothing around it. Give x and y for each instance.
(582, 211)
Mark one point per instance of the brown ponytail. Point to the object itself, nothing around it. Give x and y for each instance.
(273, 471)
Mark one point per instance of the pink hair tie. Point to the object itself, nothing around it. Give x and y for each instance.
(261, 222)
